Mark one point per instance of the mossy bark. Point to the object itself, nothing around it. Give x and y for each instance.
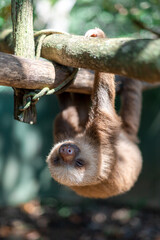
(22, 20)
(134, 58)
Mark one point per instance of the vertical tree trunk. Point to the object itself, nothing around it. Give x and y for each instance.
(22, 20)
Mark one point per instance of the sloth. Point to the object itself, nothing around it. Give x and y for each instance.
(95, 151)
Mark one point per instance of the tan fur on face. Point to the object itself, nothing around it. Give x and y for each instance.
(70, 175)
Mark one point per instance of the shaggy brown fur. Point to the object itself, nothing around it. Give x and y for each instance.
(95, 152)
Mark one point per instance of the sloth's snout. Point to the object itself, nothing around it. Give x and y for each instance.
(68, 152)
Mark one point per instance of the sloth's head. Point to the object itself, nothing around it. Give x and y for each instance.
(78, 162)
(75, 163)
(96, 32)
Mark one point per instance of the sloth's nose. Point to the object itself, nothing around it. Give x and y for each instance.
(68, 152)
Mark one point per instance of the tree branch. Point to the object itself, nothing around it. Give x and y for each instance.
(24, 45)
(134, 58)
(141, 25)
(22, 21)
(25, 73)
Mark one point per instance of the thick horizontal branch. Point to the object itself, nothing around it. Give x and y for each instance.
(25, 73)
(36, 74)
(31, 74)
(134, 58)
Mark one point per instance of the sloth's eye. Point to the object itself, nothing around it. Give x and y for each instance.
(79, 163)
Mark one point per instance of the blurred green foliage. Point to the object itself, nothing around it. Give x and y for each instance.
(53, 1)
(5, 14)
(23, 148)
(115, 17)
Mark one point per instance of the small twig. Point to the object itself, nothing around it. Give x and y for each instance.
(141, 25)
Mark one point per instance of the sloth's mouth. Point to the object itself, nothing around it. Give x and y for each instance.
(77, 163)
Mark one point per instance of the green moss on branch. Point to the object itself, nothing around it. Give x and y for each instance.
(135, 58)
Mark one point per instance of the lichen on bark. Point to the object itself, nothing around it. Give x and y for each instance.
(22, 19)
(135, 58)
(23, 37)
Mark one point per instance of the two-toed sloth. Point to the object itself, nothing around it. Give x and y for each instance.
(95, 153)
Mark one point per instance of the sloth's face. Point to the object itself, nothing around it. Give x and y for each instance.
(74, 163)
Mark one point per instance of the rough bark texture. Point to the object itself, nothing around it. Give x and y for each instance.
(22, 20)
(31, 74)
(37, 74)
(26, 73)
(135, 58)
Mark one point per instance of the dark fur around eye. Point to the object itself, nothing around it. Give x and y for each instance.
(79, 163)
(56, 161)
